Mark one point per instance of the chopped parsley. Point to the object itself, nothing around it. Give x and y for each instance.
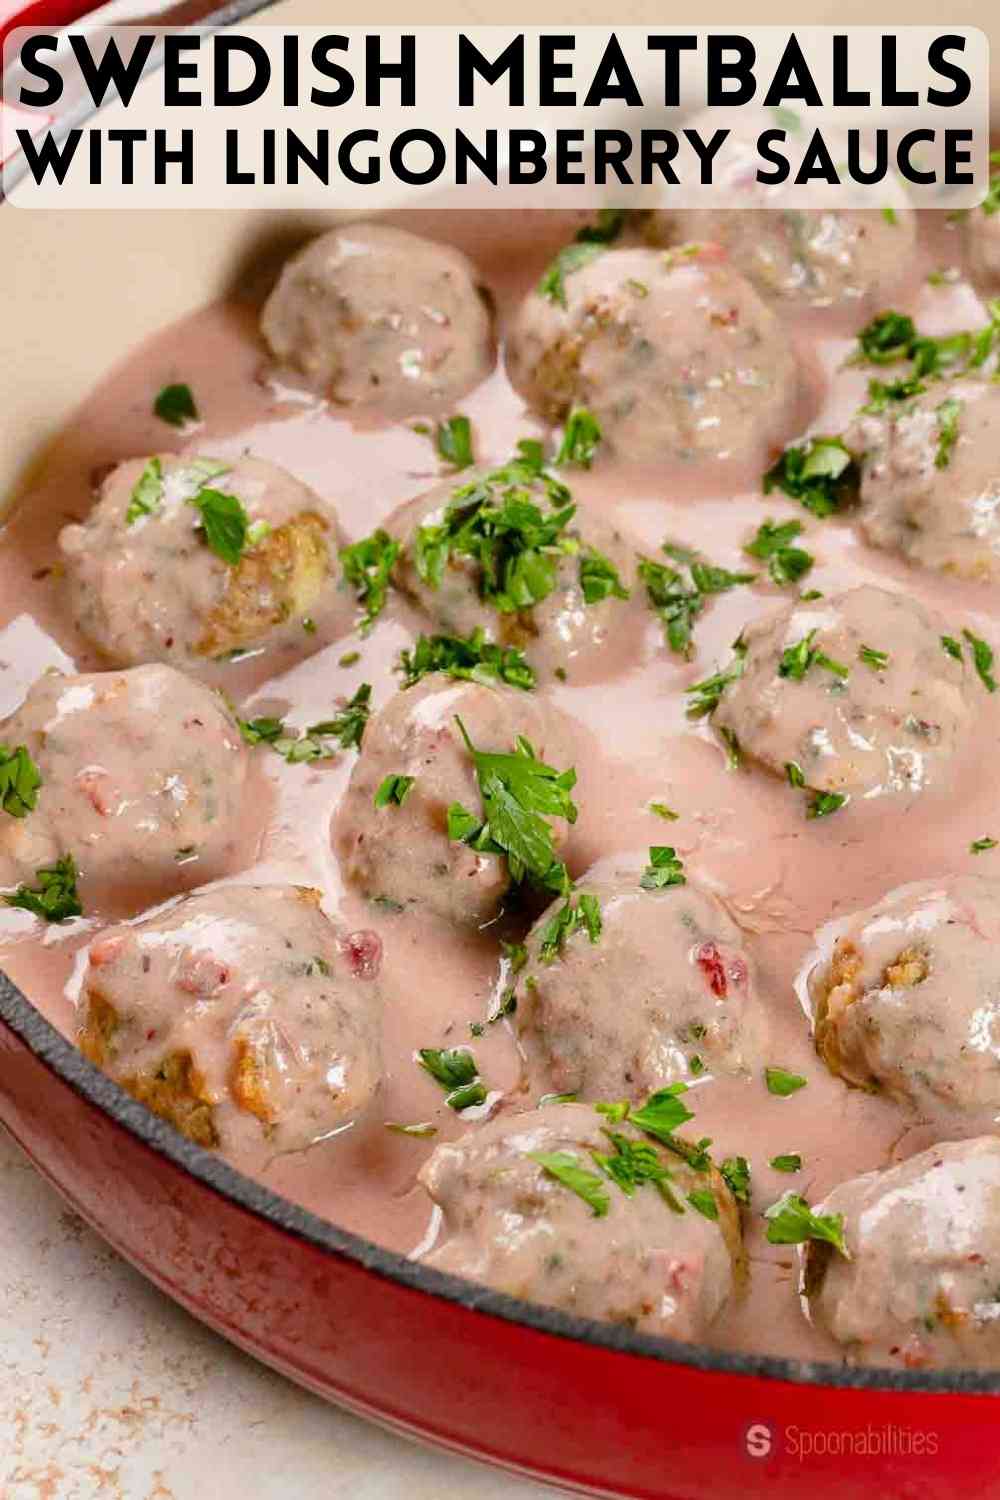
(591, 241)
(779, 1081)
(55, 897)
(799, 659)
(580, 440)
(773, 545)
(584, 912)
(630, 1163)
(348, 723)
(224, 523)
(349, 658)
(347, 727)
(982, 656)
(393, 790)
(661, 810)
(175, 405)
(565, 1167)
(472, 658)
(887, 339)
(704, 1202)
(662, 1114)
(884, 394)
(822, 474)
(453, 440)
(367, 567)
(735, 1172)
(20, 779)
(795, 774)
(890, 216)
(706, 695)
(664, 869)
(877, 660)
(825, 803)
(982, 846)
(791, 1162)
(791, 1222)
(147, 493)
(494, 520)
(678, 600)
(454, 1068)
(264, 731)
(519, 793)
(599, 577)
(947, 415)
(952, 646)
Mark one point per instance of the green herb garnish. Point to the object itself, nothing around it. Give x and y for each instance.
(583, 912)
(55, 897)
(982, 656)
(664, 869)
(454, 1068)
(590, 242)
(453, 440)
(735, 1172)
(877, 660)
(175, 405)
(367, 567)
(773, 544)
(825, 803)
(887, 338)
(705, 695)
(20, 780)
(580, 440)
(663, 811)
(471, 658)
(147, 493)
(224, 522)
(662, 1114)
(822, 474)
(799, 659)
(704, 1202)
(791, 1162)
(779, 1081)
(982, 846)
(791, 1222)
(599, 577)
(947, 415)
(394, 790)
(565, 1167)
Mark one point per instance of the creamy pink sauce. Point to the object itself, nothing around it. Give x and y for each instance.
(740, 832)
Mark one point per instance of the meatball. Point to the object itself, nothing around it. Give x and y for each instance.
(850, 695)
(659, 989)
(920, 1287)
(673, 352)
(374, 317)
(146, 582)
(402, 853)
(240, 1014)
(143, 781)
(909, 1000)
(930, 479)
(982, 247)
(848, 258)
(516, 1227)
(563, 606)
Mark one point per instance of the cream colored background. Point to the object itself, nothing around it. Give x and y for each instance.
(107, 1391)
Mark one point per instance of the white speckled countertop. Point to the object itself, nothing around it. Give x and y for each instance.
(110, 1392)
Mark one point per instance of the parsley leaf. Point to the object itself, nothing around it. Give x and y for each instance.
(630, 1163)
(175, 405)
(591, 241)
(822, 474)
(662, 1114)
(704, 1202)
(224, 522)
(735, 1172)
(147, 493)
(580, 440)
(791, 1162)
(599, 577)
(779, 1081)
(785, 563)
(825, 803)
(453, 440)
(348, 723)
(519, 793)
(952, 646)
(367, 566)
(565, 1167)
(982, 656)
(472, 658)
(20, 779)
(798, 659)
(262, 731)
(887, 338)
(679, 600)
(791, 1222)
(877, 660)
(584, 912)
(55, 897)
(661, 810)
(454, 1068)
(706, 695)
(883, 394)
(664, 869)
(495, 521)
(393, 790)
(982, 846)
(947, 415)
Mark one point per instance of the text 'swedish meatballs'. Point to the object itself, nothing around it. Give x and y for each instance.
(930, 479)
(673, 352)
(921, 1285)
(426, 821)
(508, 552)
(378, 319)
(241, 1014)
(629, 986)
(188, 560)
(528, 1210)
(851, 696)
(849, 259)
(909, 1000)
(142, 780)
